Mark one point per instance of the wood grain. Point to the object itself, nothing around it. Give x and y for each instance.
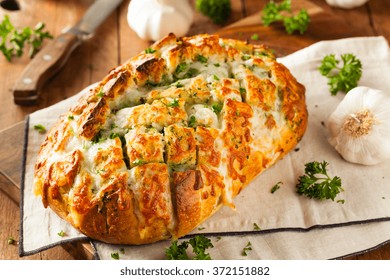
(113, 43)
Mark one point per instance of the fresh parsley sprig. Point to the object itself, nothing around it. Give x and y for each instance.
(316, 183)
(13, 41)
(199, 245)
(342, 78)
(282, 12)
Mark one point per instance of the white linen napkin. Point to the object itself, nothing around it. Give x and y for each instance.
(280, 225)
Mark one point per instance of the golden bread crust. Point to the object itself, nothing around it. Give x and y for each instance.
(167, 138)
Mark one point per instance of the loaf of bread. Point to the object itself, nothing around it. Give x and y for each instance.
(167, 138)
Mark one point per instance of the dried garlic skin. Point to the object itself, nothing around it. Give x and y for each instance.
(359, 128)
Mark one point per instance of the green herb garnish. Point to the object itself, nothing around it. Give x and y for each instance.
(201, 58)
(13, 41)
(245, 57)
(192, 121)
(255, 37)
(61, 233)
(11, 241)
(192, 72)
(174, 103)
(217, 10)
(150, 50)
(247, 248)
(217, 107)
(256, 226)
(316, 183)
(100, 93)
(342, 78)
(282, 12)
(40, 128)
(138, 162)
(276, 187)
(199, 245)
(181, 68)
(115, 256)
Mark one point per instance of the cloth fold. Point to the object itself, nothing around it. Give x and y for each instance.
(279, 225)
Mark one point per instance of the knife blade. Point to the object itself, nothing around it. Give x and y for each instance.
(49, 60)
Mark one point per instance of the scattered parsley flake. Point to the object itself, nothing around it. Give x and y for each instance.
(255, 37)
(201, 58)
(115, 256)
(100, 94)
(114, 135)
(217, 107)
(40, 128)
(276, 187)
(61, 233)
(150, 50)
(138, 162)
(245, 57)
(11, 241)
(174, 103)
(247, 248)
(181, 68)
(192, 121)
(179, 85)
(256, 226)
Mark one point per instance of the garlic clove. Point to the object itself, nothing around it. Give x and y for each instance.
(346, 4)
(359, 128)
(154, 19)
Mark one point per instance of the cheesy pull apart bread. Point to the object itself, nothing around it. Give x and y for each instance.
(167, 138)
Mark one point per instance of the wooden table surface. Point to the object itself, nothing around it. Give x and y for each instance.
(113, 43)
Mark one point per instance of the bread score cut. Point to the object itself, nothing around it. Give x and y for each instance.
(167, 138)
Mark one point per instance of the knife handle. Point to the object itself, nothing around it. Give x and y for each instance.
(43, 66)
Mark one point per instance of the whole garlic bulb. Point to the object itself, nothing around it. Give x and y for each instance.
(360, 126)
(153, 19)
(346, 4)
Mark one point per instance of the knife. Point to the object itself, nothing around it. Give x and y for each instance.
(49, 60)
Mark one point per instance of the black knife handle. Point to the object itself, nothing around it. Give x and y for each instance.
(43, 66)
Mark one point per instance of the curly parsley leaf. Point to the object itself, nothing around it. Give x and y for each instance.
(342, 78)
(199, 245)
(298, 22)
(217, 10)
(316, 183)
(13, 41)
(282, 12)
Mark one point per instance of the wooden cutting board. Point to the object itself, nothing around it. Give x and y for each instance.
(324, 25)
